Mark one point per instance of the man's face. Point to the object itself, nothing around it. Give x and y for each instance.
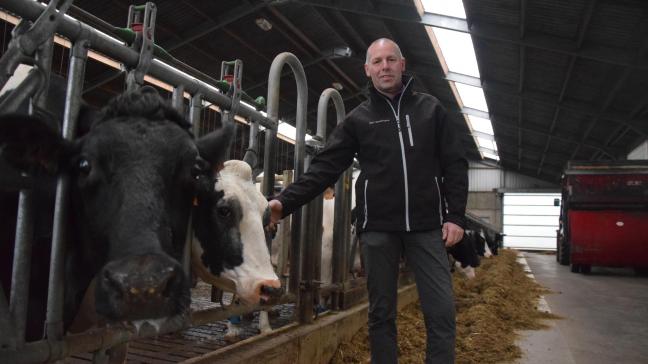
(385, 67)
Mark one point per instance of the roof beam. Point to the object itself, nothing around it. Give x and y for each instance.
(498, 121)
(211, 25)
(496, 32)
(583, 26)
(643, 49)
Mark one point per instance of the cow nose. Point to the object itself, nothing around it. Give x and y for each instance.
(142, 286)
(272, 291)
(134, 286)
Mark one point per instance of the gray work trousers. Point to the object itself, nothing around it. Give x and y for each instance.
(426, 256)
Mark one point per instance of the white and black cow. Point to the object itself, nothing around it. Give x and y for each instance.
(134, 171)
(232, 217)
(465, 255)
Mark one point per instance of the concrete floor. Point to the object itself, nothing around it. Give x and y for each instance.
(605, 316)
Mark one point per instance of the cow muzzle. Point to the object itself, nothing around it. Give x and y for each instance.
(142, 287)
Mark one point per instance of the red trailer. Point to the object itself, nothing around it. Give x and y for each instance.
(604, 215)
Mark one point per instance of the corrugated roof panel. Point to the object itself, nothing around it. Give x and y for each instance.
(617, 23)
(559, 18)
(544, 70)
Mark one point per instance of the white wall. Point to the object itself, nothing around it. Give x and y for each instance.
(530, 220)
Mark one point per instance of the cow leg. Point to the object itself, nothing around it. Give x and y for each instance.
(264, 322)
(234, 329)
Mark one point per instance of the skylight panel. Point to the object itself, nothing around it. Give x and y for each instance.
(458, 51)
(486, 143)
(472, 96)
(490, 156)
(481, 125)
(289, 131)
(452, 8)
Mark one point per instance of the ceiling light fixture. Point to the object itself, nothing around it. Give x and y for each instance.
(263, 23)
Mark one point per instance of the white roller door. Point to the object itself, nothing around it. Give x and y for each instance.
(530, 220)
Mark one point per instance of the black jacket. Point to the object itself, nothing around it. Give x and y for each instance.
(407, 164)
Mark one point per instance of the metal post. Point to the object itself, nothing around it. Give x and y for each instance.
(25, 220)
(195, 108)
(54, 323)
(340, 225)
(177, 99)
(274, 78)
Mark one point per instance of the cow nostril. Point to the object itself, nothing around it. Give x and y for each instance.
(271, 291)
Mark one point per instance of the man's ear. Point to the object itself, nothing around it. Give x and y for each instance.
(366, 68)
(28, 144)
(403, 63)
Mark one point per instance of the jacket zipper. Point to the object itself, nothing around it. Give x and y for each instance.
(366, 212)
(440, 208)
(409, 130)
(402, 145)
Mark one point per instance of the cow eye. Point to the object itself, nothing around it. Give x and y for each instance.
(84, 166)
(224, 211)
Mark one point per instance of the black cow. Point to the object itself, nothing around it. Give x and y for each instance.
(133, 176)
(465, 254)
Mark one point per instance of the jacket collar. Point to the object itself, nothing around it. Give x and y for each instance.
(407, 88)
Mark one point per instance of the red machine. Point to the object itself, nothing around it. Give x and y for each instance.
(604, 215)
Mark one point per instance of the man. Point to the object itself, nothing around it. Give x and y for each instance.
(411, 198)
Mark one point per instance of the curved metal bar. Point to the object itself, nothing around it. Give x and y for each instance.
(341, 228)
(274, 79)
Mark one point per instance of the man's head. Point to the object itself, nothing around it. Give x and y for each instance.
(385, 65)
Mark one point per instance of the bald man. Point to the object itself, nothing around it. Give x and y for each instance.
(410, 196)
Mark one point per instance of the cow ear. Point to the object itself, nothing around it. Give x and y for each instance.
(214, 147)
(29, 144)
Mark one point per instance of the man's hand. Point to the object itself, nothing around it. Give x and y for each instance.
(452, 233)
(276, 212)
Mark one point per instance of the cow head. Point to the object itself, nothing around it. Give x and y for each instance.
(229, 221)
(133, 177)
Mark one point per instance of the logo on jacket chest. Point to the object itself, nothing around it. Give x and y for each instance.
(379, 121)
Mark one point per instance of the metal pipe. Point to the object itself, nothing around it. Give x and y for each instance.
(177, 99)
(49, 351)
(54, 323)
(340, 224)
(25, 217)
(274, 79)
(21, 264)
(75, 30)
(195, 107)
(26, 89)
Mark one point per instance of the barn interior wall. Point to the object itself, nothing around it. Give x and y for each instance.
(486, 183)
(486, 205)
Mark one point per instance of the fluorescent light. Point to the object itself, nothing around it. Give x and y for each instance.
(472, 96)
(452, 8)
(458, 52)
(481, 125)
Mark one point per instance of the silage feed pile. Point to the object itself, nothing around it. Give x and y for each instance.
(490, 308)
